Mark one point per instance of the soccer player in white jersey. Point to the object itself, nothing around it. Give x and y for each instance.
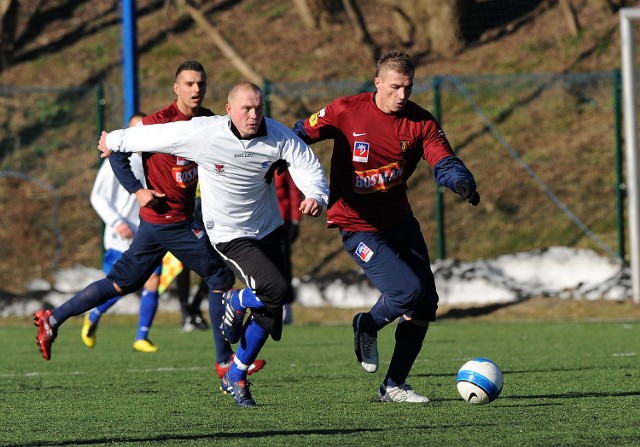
(237, 155)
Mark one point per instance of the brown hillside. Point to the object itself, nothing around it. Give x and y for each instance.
(69, 44)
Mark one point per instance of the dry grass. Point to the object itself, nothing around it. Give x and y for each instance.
(81, 46)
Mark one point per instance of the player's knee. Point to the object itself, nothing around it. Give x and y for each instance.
(417, 322)
(221, 281)
(117, 287)
(413, 292)
(153, 282)
(275, 293)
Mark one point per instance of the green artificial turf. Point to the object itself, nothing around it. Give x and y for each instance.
(565, 384)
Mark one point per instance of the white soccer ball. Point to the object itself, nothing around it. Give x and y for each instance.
(479, 381)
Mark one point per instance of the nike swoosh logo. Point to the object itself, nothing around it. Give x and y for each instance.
(359, 134)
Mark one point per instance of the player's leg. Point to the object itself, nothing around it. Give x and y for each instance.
(148, 308)
(259, 264)
(397, 263)
(413, 325)
(183, 286)
(48, 321)
(197, 319)
(287, 310)
(380, 261)
(88, 333)
(235, 380)
(191, 246)
(127, 275)
(409, 337)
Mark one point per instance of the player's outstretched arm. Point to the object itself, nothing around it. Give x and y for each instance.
(102, 145)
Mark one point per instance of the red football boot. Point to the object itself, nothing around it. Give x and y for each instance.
(46, 333)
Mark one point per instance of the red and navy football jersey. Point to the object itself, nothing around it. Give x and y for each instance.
(174, 176)
(374, 155)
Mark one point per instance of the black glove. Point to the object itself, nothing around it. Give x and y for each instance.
(467, 192)
(280, 166)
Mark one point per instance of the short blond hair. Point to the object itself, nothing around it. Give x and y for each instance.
(395, 60)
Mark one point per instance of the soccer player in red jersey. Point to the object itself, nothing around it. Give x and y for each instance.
(379, 138)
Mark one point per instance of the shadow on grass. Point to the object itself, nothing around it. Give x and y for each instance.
(573, 395)
(159, 440)
(479, 311)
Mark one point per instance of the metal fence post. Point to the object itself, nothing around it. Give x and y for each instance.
(441, 243)
(620, 186)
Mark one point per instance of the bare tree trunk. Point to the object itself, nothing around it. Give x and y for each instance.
(570, 15)
(226, 49)
(317, 13)
(444, 26)
(8, 29)
(361, 32)
(229, 52)
(305, 13)
(404, 26)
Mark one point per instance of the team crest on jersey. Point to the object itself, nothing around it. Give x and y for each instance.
(364, 252)
(197, 231)
(219, 169)
(361, 151)
(404, 145)
(181, 161)
(313, 119)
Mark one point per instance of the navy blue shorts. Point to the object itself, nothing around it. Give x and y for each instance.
(111, 256)
(186, 240)
(396, 261)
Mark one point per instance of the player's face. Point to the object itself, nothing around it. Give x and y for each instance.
(190, 87)
(246, 111)
(394, 90)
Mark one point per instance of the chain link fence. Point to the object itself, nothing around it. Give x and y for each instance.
(544, 150)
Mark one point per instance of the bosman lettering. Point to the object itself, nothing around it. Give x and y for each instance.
(378, 179)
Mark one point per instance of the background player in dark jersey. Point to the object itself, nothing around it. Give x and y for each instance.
(379, 138)
(289, 198)
(166, 224)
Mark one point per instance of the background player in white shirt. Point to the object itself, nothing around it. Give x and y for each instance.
(119, 211)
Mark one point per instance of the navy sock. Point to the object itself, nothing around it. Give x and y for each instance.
(409, 339)
(367, 324)
(216, 311)
(378, 317)
(91, 296)
(148, 307)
